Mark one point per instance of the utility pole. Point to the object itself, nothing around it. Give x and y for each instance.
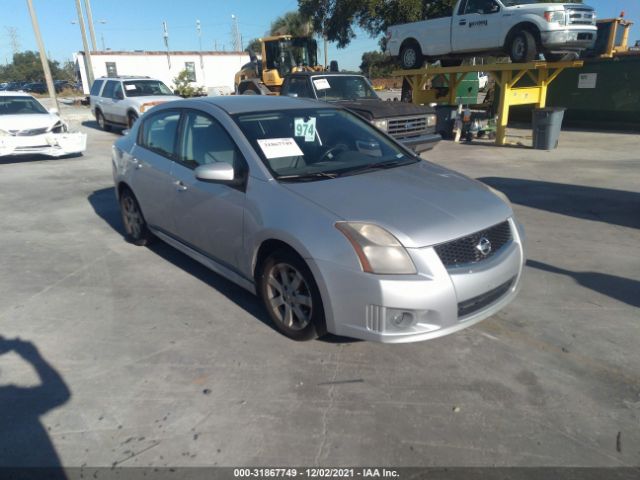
(43, 55)
(200, 49)
(87, 7)
(165, 34)
(87, 54)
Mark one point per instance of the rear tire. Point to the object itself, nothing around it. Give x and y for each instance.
(135, 225)
(102, 122)
(522, 47)
(411, 56)
(290, 295)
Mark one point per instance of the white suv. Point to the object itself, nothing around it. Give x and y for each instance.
(119, 101)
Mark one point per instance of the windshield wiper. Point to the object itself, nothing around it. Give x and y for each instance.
(378, 166)
(308, 176)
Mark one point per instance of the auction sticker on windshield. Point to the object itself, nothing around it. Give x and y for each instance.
(279, 147)
(129, 87)
(321, 83)
(305, 128)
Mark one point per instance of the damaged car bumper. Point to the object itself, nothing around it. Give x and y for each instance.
(50, 144)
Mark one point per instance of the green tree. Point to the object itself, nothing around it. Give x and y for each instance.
(291, 23)
(184, 88)
(254, 46)
(377, 64)
(26, 66)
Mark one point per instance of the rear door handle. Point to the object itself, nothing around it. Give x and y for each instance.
(180, 186)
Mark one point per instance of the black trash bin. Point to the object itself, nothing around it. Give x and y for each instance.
(445, 120)
(547, 123)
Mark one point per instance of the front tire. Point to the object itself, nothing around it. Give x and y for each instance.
(411, 56)
(291, 296)
(135, 225)
(131, 119)
(523, 48)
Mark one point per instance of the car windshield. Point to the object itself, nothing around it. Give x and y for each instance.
(510, 3)
(317, 144)
(20, 105)
(342, 87)
(145, 88)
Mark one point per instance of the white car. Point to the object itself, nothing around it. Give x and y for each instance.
(28, 128)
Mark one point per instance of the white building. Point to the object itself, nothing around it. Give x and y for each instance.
(213, 70)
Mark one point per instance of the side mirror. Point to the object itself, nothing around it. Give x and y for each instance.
(215, 172)
(53, 111)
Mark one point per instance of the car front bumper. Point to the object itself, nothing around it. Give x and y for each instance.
(421, 143)
(440, 300)
(50, 144)
(569, 39)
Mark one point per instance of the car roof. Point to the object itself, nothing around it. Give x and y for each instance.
(259, 103)
(9, 93)
(327, 74)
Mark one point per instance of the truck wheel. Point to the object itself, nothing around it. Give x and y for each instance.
(411, 56)
(523, 48)
(101, 122)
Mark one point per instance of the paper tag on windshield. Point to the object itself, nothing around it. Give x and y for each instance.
(321, 84)
(279, 147)
(305, 129)
(129, 87)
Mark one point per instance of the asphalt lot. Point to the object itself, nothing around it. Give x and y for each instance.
(150, 359)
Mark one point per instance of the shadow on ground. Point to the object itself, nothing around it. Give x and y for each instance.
(617, 207)
(94, 125)
(10, 159)
(619, 288)
(24, 441)
(106, 207)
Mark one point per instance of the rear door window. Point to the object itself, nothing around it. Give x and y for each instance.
(159, 133)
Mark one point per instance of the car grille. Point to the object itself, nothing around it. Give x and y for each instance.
(29, 133)
(581, 16)
(406, 126)
(465, 250)
(478, 303)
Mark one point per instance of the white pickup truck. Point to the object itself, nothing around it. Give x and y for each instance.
(520, 28)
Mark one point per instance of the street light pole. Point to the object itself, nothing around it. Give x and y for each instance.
(87, 7)
(43, 55)
(85, 45)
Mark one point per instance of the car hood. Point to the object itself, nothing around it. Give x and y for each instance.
(382, 109)
(27, 121)
(155, 99)
(421, 204)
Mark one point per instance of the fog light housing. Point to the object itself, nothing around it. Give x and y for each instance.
(399, 320)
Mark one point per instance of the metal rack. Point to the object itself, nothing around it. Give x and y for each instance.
(506, 75)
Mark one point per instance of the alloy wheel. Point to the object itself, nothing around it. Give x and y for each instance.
(132, 217)
(289, 296)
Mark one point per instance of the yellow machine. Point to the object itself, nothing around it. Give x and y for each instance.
(281, 55)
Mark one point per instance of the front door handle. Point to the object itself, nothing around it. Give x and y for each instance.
(462, 22)
(180, 186)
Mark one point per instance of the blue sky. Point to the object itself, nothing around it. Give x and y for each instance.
(136, 24)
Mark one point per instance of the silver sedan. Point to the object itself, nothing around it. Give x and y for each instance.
(333, 224)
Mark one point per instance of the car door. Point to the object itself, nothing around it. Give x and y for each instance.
(105, 101)
(476, 26)
(118, 105)
(208, 216)
(152, 161)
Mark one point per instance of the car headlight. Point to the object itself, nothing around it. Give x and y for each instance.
(431, 120)
(378, 251)
(381, 124)
(555, 17)
(59, 127)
